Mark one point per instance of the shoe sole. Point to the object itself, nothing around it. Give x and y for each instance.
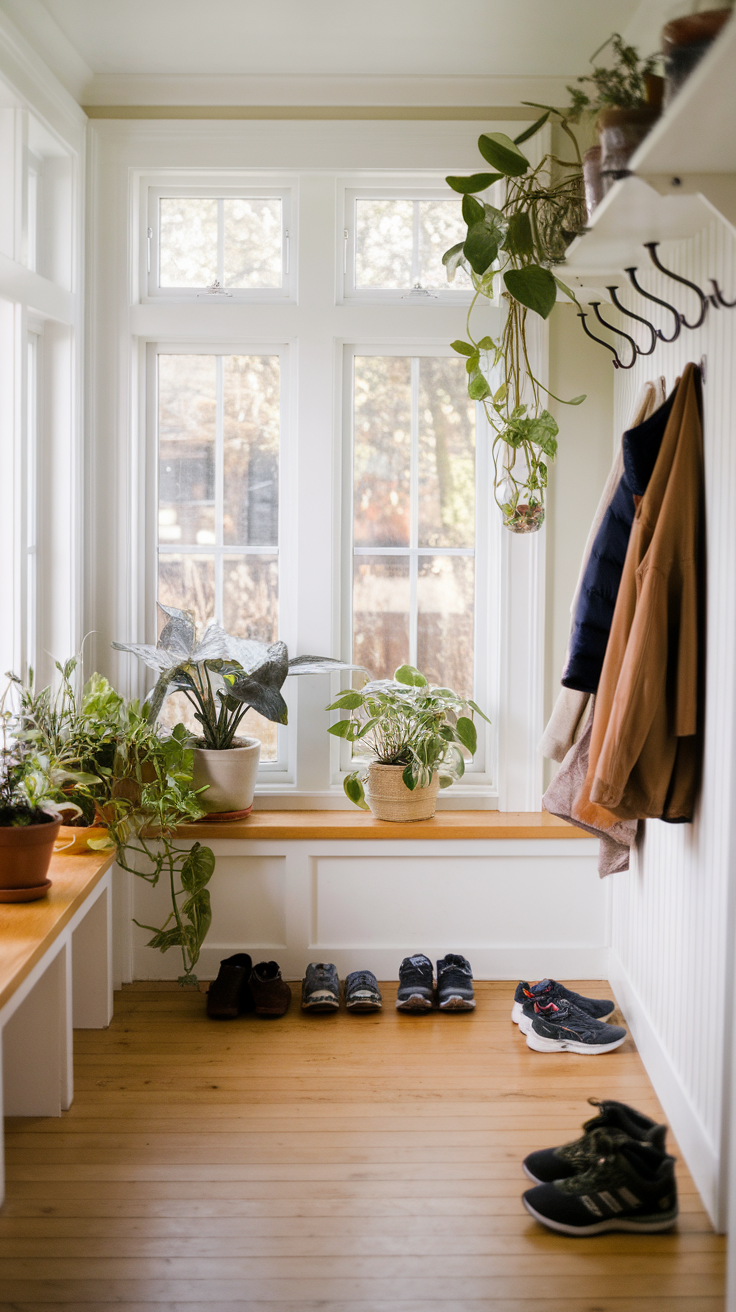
(456, 1003)
(645, 1226)
(517, 1011)
(320, 1006)
(417, 1002)
(538, 1043)
(363, 1006)
(534, 1179)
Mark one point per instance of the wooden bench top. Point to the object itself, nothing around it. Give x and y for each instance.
(275, 826)
(27, 929)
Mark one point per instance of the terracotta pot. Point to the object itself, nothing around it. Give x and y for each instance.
(25, 856)
(684, 42)
(621, 131)
(389, 798)
(592, 178)
(230, 775)
(76, 836)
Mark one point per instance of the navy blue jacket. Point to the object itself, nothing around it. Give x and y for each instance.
(599, 590)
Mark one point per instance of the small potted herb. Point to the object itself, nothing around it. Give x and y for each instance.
(625, 99)
(223, 677)
(415, 733)
(29, 818)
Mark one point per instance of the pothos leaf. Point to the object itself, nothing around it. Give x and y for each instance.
(502, 154)
(475, 183)
(533, 287)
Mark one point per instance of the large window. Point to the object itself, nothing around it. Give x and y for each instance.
(320, 472)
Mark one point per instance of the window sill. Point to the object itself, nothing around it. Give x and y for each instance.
(281, 825)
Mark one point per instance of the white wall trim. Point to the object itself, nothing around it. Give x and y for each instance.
(35, 84)
(696, 1147)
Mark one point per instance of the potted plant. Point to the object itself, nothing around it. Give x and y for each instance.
(29, 819)
(511, 249)
(415, 733)
(223, 677)
(625, 101)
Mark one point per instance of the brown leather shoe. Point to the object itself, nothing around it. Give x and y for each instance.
(230, 993)
(271, 993)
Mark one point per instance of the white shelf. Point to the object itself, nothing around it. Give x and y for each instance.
(684, 173)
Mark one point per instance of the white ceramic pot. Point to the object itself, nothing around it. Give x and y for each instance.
(389, 798)
(230, 775)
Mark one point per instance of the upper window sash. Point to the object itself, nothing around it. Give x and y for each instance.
(215, 250)
(411, 216)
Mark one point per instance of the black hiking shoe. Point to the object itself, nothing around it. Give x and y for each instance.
(362, 992)
(416, 985)
(552, 1164)
(320, 987)
(455, 984)
(548, 990)
(230, 993)
(560, 1027)
(630, 1186)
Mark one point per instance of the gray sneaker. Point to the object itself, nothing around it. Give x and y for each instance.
(320, 987)
(455, 983)
(362, 992)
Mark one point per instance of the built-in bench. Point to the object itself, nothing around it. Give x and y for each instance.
(55, 975)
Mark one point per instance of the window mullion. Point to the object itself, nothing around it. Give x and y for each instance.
(414, 511)
(219, 483)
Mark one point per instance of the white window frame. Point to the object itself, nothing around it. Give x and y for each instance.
(280, 771)
(150, 244)
(486, 553)
(348, 293)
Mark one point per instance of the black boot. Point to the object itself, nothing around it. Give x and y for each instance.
(230, 993)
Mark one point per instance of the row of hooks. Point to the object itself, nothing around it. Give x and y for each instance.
(715, 299)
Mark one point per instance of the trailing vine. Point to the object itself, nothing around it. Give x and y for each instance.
(516, 246)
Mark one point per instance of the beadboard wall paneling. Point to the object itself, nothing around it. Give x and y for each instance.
(670, 914)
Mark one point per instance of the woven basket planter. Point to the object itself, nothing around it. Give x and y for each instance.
(389, 798)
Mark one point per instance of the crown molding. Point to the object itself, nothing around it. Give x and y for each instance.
(32, 83)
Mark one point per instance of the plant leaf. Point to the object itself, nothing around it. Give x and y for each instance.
(481, 246)
(341, 728)
(453, 259)
(347, 701)
(519, 239)
(533, 287)
(502, 154)
(467, 734)
(478, 387)
(409, 675)
(529, 132)
(197, 870)
(353, 789)
(475, 183)
(463, 348)
(473, 211)
(474, 707)
(409, 777)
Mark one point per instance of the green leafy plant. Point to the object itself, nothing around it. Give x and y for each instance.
(404, 721)
(222, 676)
(513, 248)
(622, 86)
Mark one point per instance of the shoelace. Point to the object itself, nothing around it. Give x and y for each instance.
(363, 980)
(415, 975)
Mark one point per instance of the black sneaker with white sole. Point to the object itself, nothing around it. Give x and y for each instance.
(549, 990)
(455, 984)
(362, 992)
(560, 1027)
(549, 1165)
(416, 984)
(630, 1186)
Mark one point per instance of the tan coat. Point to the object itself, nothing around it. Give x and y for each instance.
(646, 744)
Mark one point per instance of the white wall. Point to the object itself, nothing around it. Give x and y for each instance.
(671, 914)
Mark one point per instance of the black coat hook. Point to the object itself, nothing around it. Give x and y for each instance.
(717, 298)
(631, 274)
(651, 246)
(630, 314)
(617, 360)
(583, 318)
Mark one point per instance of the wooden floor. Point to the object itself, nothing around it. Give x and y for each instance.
(341, 1163)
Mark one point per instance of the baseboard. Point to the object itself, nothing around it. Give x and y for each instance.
(696, 1148)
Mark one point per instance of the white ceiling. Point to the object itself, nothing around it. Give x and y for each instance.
(110, 51)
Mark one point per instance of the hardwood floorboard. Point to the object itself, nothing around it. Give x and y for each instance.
(339, 1163)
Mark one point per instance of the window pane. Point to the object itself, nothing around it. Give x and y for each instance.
(187, 401)
(381, 613)
(440, 227)
(445, 621)
(189, 583)
(251, 450)
(252, 242)
(382, 451)
(446, 455)
(188, 242)
(384, 243)
(251, 610)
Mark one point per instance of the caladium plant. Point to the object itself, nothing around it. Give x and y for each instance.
(405, 721)
(221, 675)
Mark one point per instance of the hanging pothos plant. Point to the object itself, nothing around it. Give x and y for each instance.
(517, 244)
